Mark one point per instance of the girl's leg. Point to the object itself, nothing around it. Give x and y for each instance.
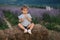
(31, 26)
(21, 26)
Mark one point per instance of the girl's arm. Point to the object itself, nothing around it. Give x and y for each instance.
(29, 19)
(21, 20)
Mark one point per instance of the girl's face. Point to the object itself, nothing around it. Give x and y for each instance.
(25, 11)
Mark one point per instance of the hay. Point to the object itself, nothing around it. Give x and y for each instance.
(38, 33)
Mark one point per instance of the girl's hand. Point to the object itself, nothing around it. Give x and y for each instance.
(26, 16)
(21, 20)
(29, 19)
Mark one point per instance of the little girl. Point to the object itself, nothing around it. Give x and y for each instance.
(25, 20)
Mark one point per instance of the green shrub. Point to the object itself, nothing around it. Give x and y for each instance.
(51, 26)
(35, 20)
(46, 17)
(50, 22)
(11, 17)
(3, 25)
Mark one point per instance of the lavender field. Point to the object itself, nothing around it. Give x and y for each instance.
(42, 16)
(33, 11)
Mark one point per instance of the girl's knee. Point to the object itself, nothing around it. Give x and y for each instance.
(19, 24)
(32, 23)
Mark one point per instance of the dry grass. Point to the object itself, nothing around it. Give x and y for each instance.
(39, 33)
(54, 35)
